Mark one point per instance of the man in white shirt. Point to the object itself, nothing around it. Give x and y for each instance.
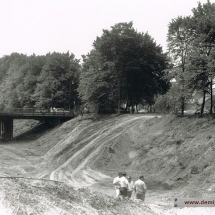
(130, 187)
(117, 184)
(123, 186)
(140, 188)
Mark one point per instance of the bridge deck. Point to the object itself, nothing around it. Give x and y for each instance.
(51, 117)
(34, 113)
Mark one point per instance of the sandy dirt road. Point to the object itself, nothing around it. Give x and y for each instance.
(96, 142)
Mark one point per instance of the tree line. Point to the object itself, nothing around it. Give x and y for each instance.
(191, 44)
(39, 81)
(124, 66)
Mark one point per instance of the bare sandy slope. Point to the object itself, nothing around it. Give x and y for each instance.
(176, 155)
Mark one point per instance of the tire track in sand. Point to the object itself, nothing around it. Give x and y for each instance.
(71, 169)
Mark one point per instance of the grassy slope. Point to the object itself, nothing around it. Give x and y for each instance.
(172, 153)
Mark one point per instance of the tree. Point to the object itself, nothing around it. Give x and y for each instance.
(180, 38)
(96, 83)
(11, 70)
(202, 58)
(192, 44)
(171, 100)
(39, 81)
(27, 80)
(124, 65)
(54, 83)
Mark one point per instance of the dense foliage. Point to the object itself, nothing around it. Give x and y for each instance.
(191, 43)
(38, 81)
(124, 68)
(124, 65)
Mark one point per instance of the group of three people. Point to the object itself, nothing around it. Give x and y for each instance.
(124, 187)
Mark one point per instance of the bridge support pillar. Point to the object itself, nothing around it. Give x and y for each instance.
(6, 128)
(1, 126)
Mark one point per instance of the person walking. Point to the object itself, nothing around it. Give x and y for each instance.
(117, 184)
(130, 187)
(140, 188)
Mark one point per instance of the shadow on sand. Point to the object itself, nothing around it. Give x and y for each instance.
(34, 133)
(31, 134)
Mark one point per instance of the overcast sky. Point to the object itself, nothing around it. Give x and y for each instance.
(42, 26)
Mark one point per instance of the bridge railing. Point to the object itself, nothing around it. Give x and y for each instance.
(35, 111)
(23, 110)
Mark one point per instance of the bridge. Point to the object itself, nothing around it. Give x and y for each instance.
(8, 115)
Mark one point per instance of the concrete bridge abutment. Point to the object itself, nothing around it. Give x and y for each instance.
(6, 128)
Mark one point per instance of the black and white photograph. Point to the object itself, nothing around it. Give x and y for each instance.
(107, 107)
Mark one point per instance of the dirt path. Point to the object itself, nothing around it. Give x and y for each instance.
(73, 166)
